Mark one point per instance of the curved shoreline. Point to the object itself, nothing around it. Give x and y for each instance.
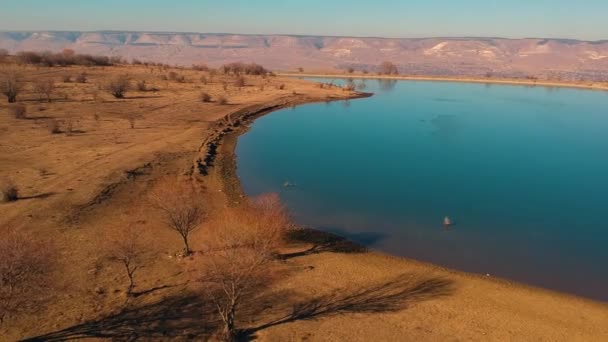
(601, 86)
(226, 166)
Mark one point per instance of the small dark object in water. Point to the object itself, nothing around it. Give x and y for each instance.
(447, 222)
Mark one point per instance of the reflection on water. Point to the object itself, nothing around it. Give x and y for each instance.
(386, 85)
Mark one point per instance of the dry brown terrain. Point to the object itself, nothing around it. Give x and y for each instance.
(81, 184)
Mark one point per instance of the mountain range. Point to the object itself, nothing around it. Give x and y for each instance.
(529, 57)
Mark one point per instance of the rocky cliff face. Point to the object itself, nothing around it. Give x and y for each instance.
(569, 59)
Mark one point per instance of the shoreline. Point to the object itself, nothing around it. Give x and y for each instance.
(226, 166)
(600, 86)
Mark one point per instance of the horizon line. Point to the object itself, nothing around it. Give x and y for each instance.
(300, 35)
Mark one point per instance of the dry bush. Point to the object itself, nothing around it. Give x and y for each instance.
(240, 82)
(181, 206)
(141, 85)
(82, 77)
(222, 100)
(66, 79)
(25, 267)
(243, 243)
(132, 119)
(388, 68)
(52, 126)
(350, 70)
(10, 191)
(281, 86)
(10, 85)
(172, 76)
(204, 80)
(44, 88)
(300, 69)
(205, 97)
(200, 67)
(18, 111)
(118, 86)
(128, 246)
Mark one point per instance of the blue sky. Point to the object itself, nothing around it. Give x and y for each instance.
(582, 19)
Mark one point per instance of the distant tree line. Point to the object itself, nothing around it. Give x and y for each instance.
(65, 58)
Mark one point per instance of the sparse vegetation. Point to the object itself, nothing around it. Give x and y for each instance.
(245, 240)
(239, 68)
(65, 58)
(52, 126)
(118, 86)
(82, 77)
(132, 119)
(10, 85)
(25, 267)
(17, 110)
(240, 82)
(10, 191)
(181, 207)
(205, 97)
(128, 247)
(222, 100)
(44, 88)
(141, 85)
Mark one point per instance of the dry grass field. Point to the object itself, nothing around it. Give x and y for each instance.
(87, 166)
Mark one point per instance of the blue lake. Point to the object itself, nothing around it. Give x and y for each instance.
(522, 172)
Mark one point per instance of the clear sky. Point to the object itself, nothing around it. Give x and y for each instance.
(582, 19)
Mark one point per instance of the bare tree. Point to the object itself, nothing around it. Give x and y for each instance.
(118, 86)
(10, 85)
(243, 241)
(181, 206)
(25, 267)
(229, 278)
(44, 88)
(128, 247)
(388, 68)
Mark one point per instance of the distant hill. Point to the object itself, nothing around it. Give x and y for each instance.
(556, 58)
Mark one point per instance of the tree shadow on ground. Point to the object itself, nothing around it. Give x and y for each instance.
(185, 317)
(385, 297)
(322, 242)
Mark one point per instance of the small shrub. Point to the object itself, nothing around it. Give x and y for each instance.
(350, 70)
(172, 75)
(281, 86)
(82, 77)
(18, 111)
(44, 88)
(118, 86)
(142, 86)
(10, 191)
(10, 86)
(66, 79)
(204, 80)
(53, 126)
(222, 100)
(205, 97)
(240, 82)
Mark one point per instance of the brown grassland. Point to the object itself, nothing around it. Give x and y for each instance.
(95, 175)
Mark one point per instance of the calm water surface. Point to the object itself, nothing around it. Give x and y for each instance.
(522, 172)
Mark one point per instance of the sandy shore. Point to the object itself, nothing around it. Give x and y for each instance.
(523, 82)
